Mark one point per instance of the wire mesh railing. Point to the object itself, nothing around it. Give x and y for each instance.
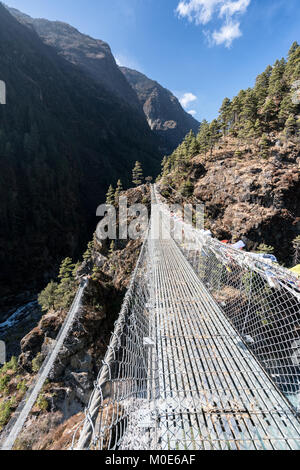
(17, 422)
(260, 298)
(122, 384)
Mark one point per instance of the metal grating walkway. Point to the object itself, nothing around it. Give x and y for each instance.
(212, 393)
(177, 375)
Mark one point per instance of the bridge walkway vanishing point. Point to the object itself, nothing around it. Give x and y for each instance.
(202, 388)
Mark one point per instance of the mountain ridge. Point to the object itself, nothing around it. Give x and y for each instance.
(94, 56)
(163, 112)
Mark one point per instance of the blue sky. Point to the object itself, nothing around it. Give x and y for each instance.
(202, 50)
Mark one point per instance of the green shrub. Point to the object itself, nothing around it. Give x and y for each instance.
(36, 363)
(187, 189)
(22, 386)
(48, 297)
(5, 412)
(12, 365)
(4, 381)
(42, 403)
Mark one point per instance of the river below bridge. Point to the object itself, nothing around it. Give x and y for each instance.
(19, 322)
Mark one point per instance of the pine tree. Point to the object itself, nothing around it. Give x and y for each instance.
(193, 147)
(188, 146)
(66, 269)
(248, 131)
(110, 196)
(237, 107)
(264, 146)
(214, 134)
(180, 155)
(88, 254)
(225, 115)
(118, 192)
(95, 273)
(187, 189)
(166, 165)
(294, 48)
(262, 86)
(257, 128)
(249, 106)
(137, 174)
(189, 138)
(292, 71)
(47, 297)
(268, 111)
(290, 125)
(67, 286)
(287, 107)
(277, 84)
(203, 137)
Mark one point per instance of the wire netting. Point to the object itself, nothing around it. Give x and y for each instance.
(178, 373)
(121, 386)
(260, 298)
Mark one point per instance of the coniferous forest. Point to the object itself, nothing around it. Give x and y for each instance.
(272, 105)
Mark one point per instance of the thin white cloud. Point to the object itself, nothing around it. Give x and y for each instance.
(186, 99)
(227, 34)
(204, 11)
(124, 60)
(233, 7)
(201, 11)
(192, 112)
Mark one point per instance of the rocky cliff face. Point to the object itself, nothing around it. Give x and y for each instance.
(164, 113)
(245, 196)
(92, 55)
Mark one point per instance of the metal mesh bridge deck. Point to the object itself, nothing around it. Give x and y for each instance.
(178, 374)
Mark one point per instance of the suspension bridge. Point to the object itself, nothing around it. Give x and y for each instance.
(205, 354)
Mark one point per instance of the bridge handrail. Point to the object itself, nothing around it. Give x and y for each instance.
(261, 265)
(87, 434)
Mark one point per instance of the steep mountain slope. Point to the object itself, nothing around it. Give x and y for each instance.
(164, 113)
(63, 140)
(92, 55)
(244, 166)
(245, 197)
